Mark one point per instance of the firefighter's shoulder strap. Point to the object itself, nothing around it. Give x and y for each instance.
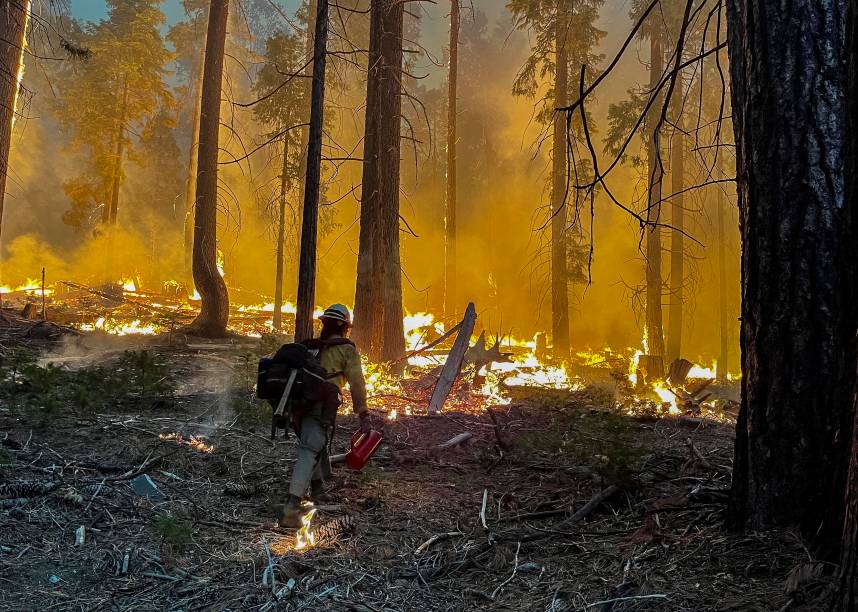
(319, 345)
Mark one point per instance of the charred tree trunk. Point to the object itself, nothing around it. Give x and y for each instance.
(13, 33)
(654, 330)
(214, 312)
(724, 326)
(378, 294)
(798, 323)
(116, 181)
(191, 183)
(559, 250)
(450, 302)
(847, 599)
(281, 237)
(677, 239)
(310, 212)
(312, 9)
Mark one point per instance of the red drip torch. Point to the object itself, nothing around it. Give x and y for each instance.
(363, 448)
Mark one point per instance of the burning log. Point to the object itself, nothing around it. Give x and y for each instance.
(453, 365)
(678, 371)
(650, 368)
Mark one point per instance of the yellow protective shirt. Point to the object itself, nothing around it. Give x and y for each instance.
(344, 360)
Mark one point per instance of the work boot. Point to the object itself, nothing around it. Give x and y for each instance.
(291, 515)
(317, 492)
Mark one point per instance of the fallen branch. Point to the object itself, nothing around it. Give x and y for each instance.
(435, 539)
(514, 572)
(590, 507)
(631, 598)
(453, 442)
(453, 365)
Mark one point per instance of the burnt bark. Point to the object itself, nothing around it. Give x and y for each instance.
(281, 238)
(310, 211)
(378, 295)
(214, 311)
(450, 302)
(13, 32)
(724, 324)
(655, 172)
(847, 598)
(798, 325)
(559, 172)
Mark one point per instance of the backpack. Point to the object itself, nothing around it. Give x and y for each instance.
(293, 381)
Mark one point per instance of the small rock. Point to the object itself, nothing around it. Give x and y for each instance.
(146, 487)
(530, 568)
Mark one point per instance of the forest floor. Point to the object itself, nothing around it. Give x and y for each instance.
(405, 534)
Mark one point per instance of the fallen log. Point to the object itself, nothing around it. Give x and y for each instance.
(453, 365)
(454, 441)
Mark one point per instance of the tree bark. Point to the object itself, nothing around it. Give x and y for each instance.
(847, 599)
(116, 181)
(798, 323)
(378, 295)
(312, 9)
(281, 238)
(214, 312)
(191, 183)
(559, 250)
(13, 37)
(677, 239)
(654, 330)
(310, 212)
(450, 302)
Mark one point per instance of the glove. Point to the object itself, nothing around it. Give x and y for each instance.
(365, 422)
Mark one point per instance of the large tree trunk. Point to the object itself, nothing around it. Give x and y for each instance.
(310, 216)
(798, 323)
(214, 312)
(378, 295)
(723, 296)
(191, 182)
(559, 250)
(677, 238)
(281, 237)
(655, 170)
(13, 32)
(450, 302)
(847, 599)
(112, 210)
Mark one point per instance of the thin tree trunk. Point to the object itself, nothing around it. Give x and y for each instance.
(281, 237)
(191, 182)
(214, 312)
(798, 316)
(367, 300)
(677, 239)
(450, 302)
(312, 9)
(723, 297)
(116, 181)
(310, 217)
(654, 331)
(559, 250)
(13, 36)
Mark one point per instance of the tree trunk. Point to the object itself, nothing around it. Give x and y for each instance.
(847, 599)
(310, 216)
(559, 251)
(798, 323)
(378, 295)
(367, 299)
(654, 331)
(116, 181)
(191, 183)
(13, 37)
(312, 9)
(450, 302)
(724, 325)
(677, 239)
(281, 237)
(214, 312)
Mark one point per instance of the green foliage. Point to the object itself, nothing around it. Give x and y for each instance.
(126, 51)
(174, 531)
(27, 385)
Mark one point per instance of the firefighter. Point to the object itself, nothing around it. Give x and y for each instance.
(340, 359)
